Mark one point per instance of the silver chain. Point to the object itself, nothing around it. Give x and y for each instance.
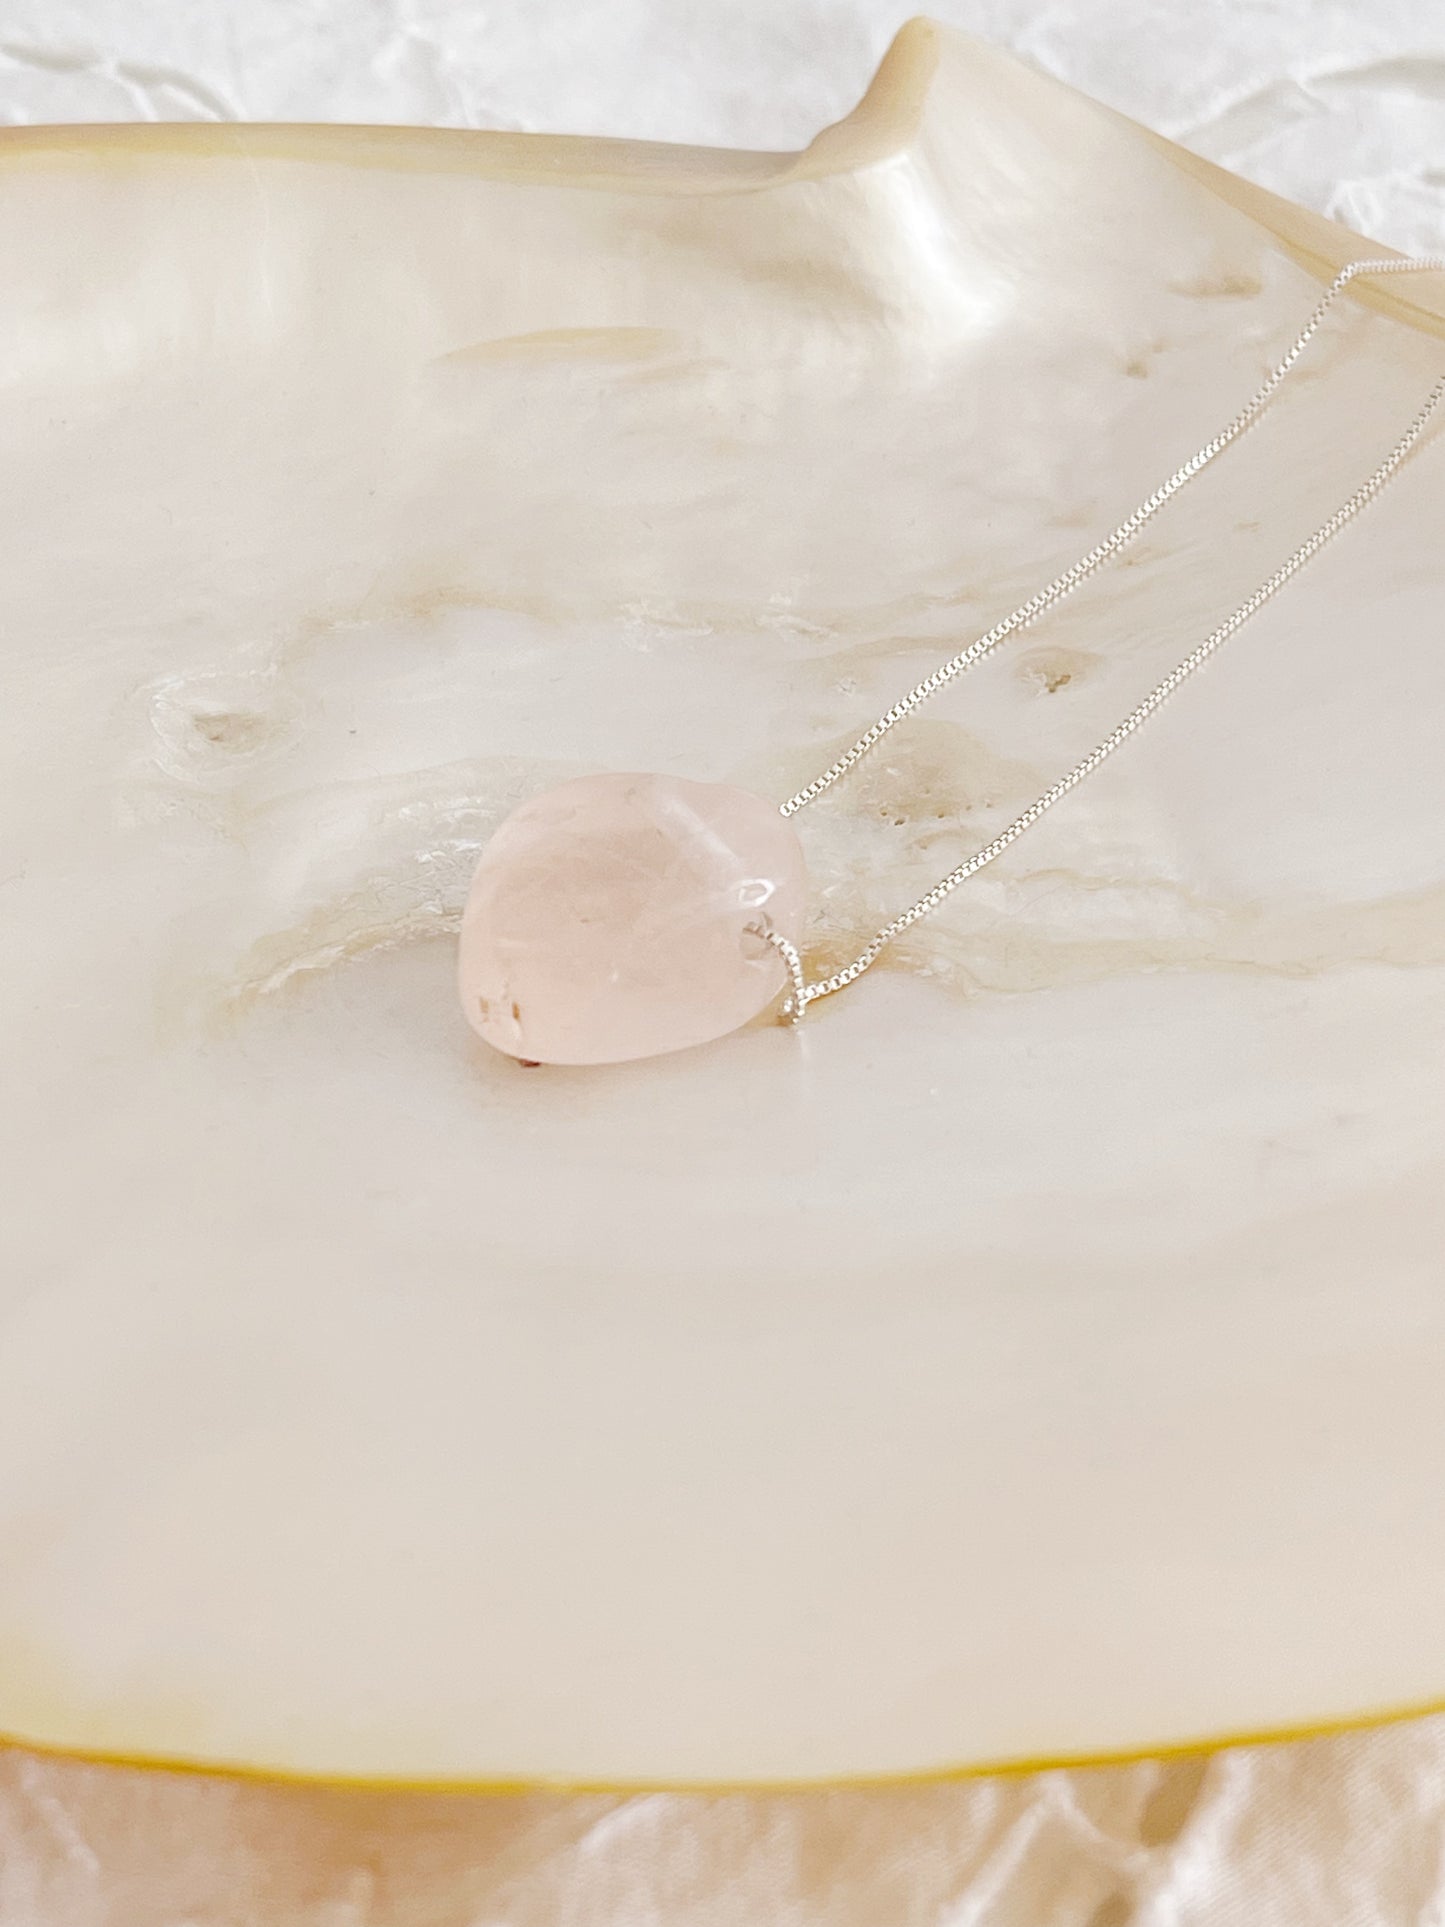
(803, 993)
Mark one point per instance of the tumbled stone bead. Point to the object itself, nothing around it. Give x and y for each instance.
(608, 919)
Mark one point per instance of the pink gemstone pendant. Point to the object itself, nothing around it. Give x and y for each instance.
(609, 919)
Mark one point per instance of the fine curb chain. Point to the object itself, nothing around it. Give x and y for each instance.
(802, 993)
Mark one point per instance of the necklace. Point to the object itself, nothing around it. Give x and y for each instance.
(622, 916)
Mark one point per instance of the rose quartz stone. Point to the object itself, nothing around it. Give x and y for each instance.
(608, 919)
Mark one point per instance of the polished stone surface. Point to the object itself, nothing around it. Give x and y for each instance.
(615, 917)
